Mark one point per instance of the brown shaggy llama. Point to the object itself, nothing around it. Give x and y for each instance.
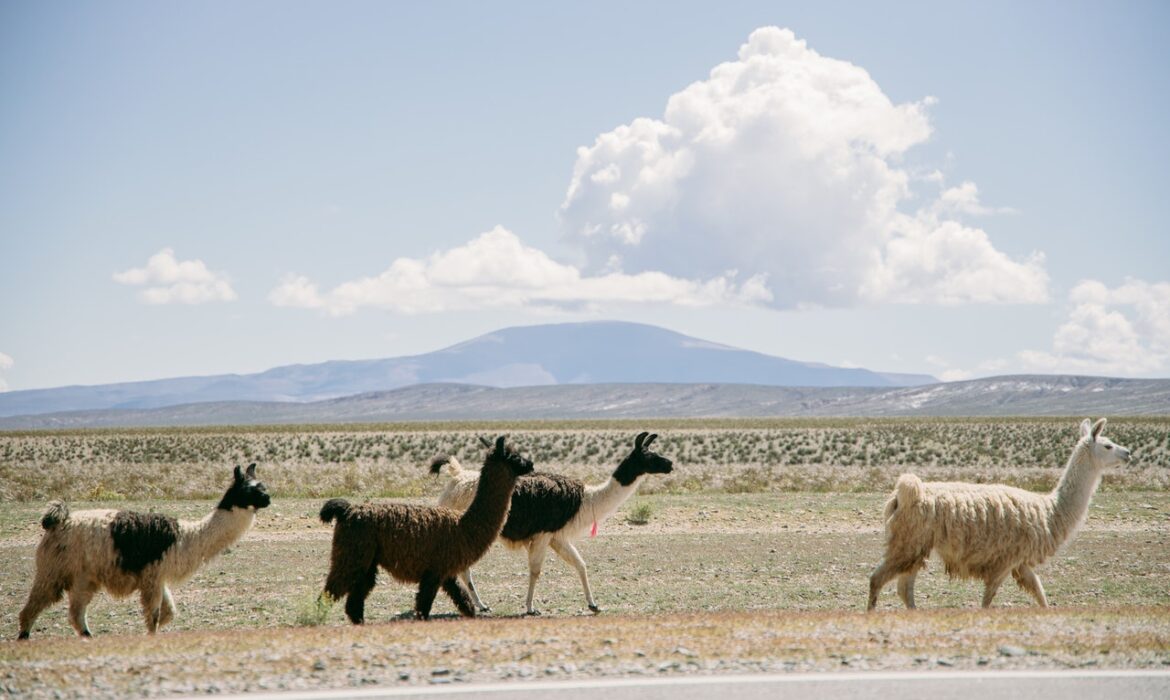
(419, 544)
(988, 531)
(123, 551)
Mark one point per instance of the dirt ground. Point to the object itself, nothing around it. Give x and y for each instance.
(714, 583)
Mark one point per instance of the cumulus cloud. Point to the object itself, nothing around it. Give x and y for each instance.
(497, 270)
(786, 163)
(1124, 331)
(167, 280)
(6, 363)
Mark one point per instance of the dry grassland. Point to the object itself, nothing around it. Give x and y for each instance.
(743, 566)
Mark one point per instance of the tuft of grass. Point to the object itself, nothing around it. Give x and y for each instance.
(640, 514)
(313, 610)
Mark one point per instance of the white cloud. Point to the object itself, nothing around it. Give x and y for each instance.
(964, 199)
(1123, 331)
(169, 280)
(786, 163)
(6, 362)
(497, 270)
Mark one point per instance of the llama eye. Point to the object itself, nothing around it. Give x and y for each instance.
(1109, 447)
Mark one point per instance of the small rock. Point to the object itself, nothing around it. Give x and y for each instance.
(318, 665)
(1010, 650)
(441, 672)
(944, 662)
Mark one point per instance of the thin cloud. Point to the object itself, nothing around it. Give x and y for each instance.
(6, 363)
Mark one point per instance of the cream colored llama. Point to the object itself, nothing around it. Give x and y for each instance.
(988, 531)
(122, 551)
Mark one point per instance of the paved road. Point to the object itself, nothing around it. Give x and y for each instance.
(1029, 685)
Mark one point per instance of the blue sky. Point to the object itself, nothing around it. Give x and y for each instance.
(950, 188)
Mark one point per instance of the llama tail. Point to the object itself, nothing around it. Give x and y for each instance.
(335, 509)
(55, 514)
(907, 492)
(446, 464)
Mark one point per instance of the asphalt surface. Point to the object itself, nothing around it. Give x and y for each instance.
(1032, 685)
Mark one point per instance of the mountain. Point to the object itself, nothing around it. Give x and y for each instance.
(604, 352)
(996, 396)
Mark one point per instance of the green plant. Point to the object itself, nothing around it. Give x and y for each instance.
(640, 514)
(312, 610)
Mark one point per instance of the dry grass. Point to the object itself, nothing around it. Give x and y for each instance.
(728, 456)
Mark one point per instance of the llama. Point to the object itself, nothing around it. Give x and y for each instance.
(123, 551)
(550, 510)
(987, 531)
(419, 544)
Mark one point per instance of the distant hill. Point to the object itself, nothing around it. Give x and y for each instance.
(604, 352)
(996, 396)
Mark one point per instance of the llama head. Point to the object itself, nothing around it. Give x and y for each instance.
(501, 453)
(246, 491)
(1105, 452)
(642, 460)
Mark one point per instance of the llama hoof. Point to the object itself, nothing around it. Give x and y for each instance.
(532, 613)
(23, 636)
(484, 609)
(594, 609)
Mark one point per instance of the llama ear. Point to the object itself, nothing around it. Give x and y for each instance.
(639, 440)
(238, 474)
(1086, 427)
(251, 472)
(652, 438)
(1098, 427)
(500, 443)
(485, 442)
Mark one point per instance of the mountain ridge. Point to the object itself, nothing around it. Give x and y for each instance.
(547, 354)
(1012, 395)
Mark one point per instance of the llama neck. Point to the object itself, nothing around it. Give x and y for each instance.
(602, 501)
(201, 540)
(484, 518)
(1070, 498)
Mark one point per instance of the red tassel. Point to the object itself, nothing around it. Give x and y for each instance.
(593, 532)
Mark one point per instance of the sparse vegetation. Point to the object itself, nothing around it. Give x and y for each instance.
(640, 513)
(729, 456)
(755, 557)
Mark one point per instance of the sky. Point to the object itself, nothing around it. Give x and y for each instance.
(961, 189)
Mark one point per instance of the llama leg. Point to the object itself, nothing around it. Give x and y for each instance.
(459, 596)
(355, 604)
(883, 574)
(568, 552)
(1030, 582)
(469, 582)
(537, 550)
(991, 587)
(347, 572)
(906, 589)
(151, 598)
(428, 588)
(167, 611)
(45, 591)
(79, 597)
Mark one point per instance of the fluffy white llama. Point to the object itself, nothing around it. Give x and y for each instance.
(987, 531)
(550, 510)
(123, 552)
